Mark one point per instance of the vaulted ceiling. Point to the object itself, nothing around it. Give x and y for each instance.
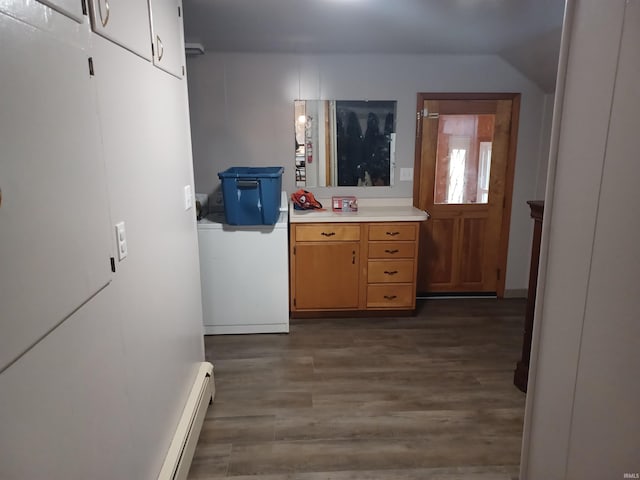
(526, 33)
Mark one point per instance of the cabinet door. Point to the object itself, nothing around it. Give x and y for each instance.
(168, 51)
(70, 8)
(125, 22)
(326, 275)
(54, 220)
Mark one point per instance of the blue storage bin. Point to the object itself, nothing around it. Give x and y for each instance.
(251, 195)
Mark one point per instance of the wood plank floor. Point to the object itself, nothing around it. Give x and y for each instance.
(428, 397)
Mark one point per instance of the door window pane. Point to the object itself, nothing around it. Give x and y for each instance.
(484, 170)
(463, 163)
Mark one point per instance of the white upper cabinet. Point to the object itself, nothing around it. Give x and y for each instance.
(125, 22)
(70, 8)
(168, 50)
(55, 234)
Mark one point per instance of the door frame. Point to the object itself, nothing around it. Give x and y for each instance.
(419, 183)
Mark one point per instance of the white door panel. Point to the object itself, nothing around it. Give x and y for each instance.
(124, 22)
(64, 410)
(609, 353)
(70, 8)
(54, 219)
(166, 18)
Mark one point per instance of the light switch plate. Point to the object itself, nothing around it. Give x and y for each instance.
(406, 174)
(121, 241)
(188, 197)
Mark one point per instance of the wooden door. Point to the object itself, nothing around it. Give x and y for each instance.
(464, 174)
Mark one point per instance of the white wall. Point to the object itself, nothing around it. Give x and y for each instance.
(545, 140)
(242, 114)
(100, 396)
(581, 419)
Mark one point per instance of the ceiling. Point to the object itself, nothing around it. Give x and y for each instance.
(526, 33)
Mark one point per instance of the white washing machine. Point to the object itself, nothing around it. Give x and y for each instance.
(244, 272)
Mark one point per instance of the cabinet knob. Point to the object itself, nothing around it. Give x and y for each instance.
(393, 234)
(328, 234)
(392, 272)
(391, 252)
(390, 297)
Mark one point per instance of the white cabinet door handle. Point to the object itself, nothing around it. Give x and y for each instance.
(104, 18)
(160, 47)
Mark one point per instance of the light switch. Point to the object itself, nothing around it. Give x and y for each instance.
(406, 174)
(188, 197)
(121, 241)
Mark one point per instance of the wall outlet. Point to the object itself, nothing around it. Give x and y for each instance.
(188, 197)
(121, 241)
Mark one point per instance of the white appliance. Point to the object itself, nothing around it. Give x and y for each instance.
(244, 272)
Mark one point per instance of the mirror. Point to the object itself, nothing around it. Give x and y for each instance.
(344, 142)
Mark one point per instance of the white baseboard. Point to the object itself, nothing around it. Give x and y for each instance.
(242, 329)
(178, 460)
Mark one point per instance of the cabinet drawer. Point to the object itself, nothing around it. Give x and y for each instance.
(390, 296)
(390, 271)
(392, 250)
(327, 232)
(392, 231)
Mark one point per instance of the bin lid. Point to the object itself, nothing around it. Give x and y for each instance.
(251, 172)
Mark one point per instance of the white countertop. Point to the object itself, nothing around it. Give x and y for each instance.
(369, 210)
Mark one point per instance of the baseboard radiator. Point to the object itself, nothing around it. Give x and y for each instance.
(178, 460)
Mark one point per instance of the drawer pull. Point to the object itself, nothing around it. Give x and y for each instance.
(392, 272)
(328, 234)
(391, 252)
(393, 234)
(390, 297)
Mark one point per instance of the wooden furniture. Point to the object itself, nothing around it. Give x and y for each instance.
(392, 250)
(354, 266)
(521, 373)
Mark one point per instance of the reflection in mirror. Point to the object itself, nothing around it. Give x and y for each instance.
(344, 142)
(463, 162)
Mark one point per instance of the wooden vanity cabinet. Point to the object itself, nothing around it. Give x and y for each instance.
(353, 266)
(392, 265)
(325, 269)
